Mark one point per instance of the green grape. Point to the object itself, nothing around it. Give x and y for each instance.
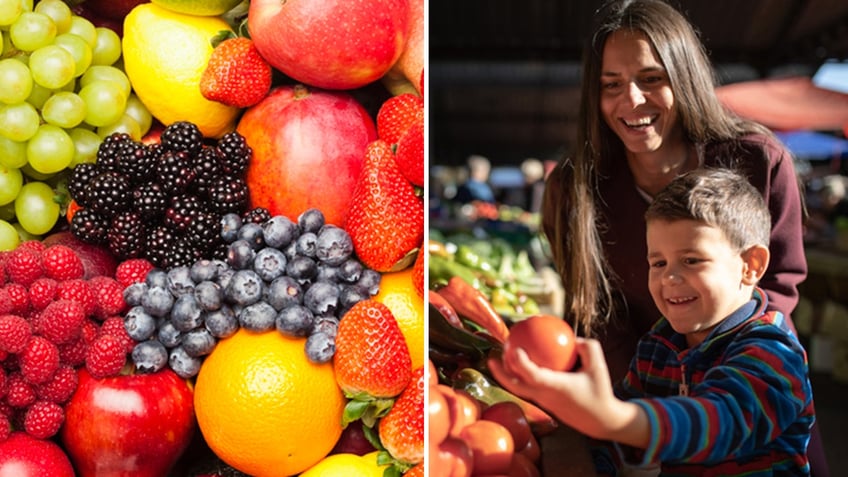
(50, 149)
(7, 212)
(64, 109)
(86, 143)
(108, 73)
(78, 48)
(11, 181)
(34, 174)
(127, 124)
(18, 122)
(58, 11)
(105, 102)
(107, 50)
(9, 239)
(32, 31)
(12, 153)
(23, 235)
(84, 29)
(16, 81)
(10, 10)
(35, 208)
(138, 111)
(52, 66)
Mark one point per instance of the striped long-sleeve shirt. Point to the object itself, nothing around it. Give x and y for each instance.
(740, 403)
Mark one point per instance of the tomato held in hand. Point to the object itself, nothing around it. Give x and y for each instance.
(510, 415)
(547, 340)
(491, 444)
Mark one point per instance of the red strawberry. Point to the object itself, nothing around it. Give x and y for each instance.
(386, 217)
(410, 154)
(397, 114)
(418, 272)
(372, 362)
(402, 429)
(236, 74)
(61, 263)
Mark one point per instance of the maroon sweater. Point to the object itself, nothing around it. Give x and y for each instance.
(768, 166)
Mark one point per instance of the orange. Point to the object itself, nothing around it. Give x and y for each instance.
(264, 408)
(397, 292)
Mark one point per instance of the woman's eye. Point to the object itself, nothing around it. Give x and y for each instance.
(691, 261)
(609, 86)
(657, 264)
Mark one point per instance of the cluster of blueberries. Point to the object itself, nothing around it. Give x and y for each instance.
(298, 277)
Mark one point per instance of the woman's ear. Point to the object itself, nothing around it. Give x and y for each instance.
(756, 260)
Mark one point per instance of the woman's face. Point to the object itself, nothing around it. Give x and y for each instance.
(636, 101)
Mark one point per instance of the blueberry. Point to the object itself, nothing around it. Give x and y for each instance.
(230, 225)
(245, 288)
(334, 245)
(149, 356)
(257, 317)
(222, 322)
(327, 273)
(157, 278)
(282, 292)
(184, 365)
(320, 348)
(203, 270)
(322, 298)
(157, 301)
(252, 234)
(326, 324)
(224, 278)
(350, 270)
(349, 296)
(295, 321)
(240, 255)
(179, 281)
(370, 281)
(186, 313)
(307, 244)
(302, 268)
(279, 231)
(269, 263)
(139, 324)
(198, 342)
(134, 292)
(169, 335)
(310, 220)
(209, 295)
(290, 250)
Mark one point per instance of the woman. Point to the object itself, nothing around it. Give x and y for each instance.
(648, 114)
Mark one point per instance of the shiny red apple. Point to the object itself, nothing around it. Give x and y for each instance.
(129, 425)
(22, 455)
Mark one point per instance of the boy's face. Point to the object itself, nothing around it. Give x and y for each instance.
(696, 277)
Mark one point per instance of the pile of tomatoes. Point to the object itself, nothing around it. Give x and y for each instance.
(470, 438)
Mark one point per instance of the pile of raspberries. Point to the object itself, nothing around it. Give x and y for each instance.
(53, 321)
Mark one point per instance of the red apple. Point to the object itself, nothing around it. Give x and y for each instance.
(22, 455)
(308, 151)
(112, 9)
(96, 260)
(128, 425)
(334, 44)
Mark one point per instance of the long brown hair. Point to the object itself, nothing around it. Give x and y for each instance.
(574, 236)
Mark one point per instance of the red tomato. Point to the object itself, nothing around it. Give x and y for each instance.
(532, 450)
(438, 414)
(432, 374)
(521, 466)
(510, 415)
(491, 444)
(451, 458)
(464, 408)
(547, 340)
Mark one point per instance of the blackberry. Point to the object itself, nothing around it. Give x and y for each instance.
(182, 136)
(228, 194)
(257, 215)
(78, 181)
(235, 153)
(159, 241)
(89, 226)
(108, 193)
(207, 168)
(182, 253)
(175, 171)
(150, 200)
(204, 233)
(182, 211)
(137, 162)
(126, 235)
(110, 150)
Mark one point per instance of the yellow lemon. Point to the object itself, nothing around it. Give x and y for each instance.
(397, 292)
(198, 7)
(347, 465)
(165, 54)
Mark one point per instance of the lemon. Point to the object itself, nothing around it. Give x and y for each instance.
(397, 291)
(198, 7)
(347, 465)
(165, 54)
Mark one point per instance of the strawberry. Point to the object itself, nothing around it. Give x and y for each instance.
(386, 217)
(372, 362)
(418, 272)
(410, 154)
(236, 74)
(397, 114)
(402, 429)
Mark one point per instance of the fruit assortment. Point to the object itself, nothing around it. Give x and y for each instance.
(170, 232)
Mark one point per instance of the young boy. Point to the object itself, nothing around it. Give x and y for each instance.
(719, 386)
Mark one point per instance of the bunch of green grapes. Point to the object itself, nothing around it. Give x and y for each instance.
(63, 91)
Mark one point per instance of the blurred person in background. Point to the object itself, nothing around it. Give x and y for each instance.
(476, 187)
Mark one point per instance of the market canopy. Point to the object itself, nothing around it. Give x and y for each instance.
(813, 145)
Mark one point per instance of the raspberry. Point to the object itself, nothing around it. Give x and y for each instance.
(34, 245)
(110, 296)
(114, 326)
(72, 353)
(61, 263)
(42, 292)
(20, 393)
(61, 387)
(5, 427)
(2, 382)
(89, 330)
(61, 321)
(6, 305)
(105, 357)
(18, 298)
(43, 419)
(24, 266)
(39, 360)
(132, 271)
(79, 291)
(15, 331)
